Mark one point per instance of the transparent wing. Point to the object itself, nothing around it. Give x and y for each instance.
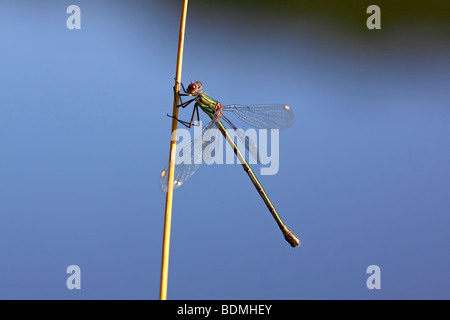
(265, 116)
(189, 158)
(251, 146)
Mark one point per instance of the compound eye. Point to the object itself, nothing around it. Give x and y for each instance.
(192, 87)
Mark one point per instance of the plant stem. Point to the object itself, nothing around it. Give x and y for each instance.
(172, 154)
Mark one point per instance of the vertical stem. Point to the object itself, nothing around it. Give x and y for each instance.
(172, 153)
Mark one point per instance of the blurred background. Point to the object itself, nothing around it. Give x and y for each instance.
(364, 173)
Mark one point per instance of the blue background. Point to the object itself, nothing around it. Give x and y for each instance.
(364, 172)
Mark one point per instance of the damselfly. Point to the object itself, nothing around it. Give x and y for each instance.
(271, 116)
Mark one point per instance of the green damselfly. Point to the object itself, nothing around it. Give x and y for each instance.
(271, 116)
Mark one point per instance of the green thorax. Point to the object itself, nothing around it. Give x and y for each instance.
(207, 104)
